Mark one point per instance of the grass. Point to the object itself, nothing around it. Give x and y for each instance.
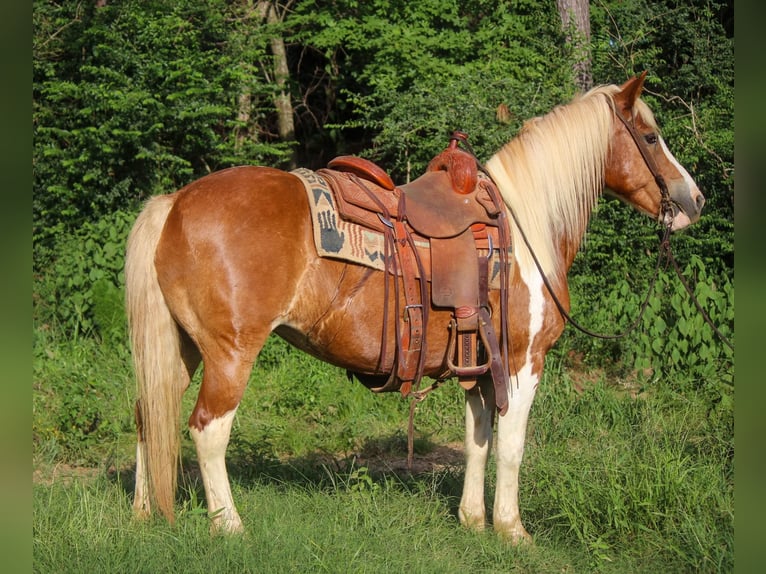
(613, 481)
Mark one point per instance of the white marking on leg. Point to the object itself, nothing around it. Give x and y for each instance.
(512, 427)
(511, 432)
(141, 505)
(211, 443)
(479, 412)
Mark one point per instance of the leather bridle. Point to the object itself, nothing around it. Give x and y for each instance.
(666, 204)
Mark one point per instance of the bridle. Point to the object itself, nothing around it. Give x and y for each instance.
(665, 218)
(666, 204)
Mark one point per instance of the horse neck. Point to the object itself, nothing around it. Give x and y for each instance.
(551, 176)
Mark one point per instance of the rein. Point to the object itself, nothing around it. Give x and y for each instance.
(665, 247)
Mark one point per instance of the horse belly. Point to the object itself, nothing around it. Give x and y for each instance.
(339, 318)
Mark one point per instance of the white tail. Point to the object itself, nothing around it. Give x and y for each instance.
(160, 371)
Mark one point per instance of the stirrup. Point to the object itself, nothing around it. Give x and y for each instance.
(467, 372)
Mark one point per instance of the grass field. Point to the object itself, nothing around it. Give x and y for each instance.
(617, 477)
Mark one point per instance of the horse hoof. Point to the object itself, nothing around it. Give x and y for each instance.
(228, 525)
(514, 535)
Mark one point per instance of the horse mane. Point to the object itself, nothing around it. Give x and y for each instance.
(552, 173)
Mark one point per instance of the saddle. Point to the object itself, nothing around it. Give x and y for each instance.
(457, 212)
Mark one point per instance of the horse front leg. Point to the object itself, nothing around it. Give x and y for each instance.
(479, 415)
(511, 433)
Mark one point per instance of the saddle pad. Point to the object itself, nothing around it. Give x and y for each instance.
(337, 238)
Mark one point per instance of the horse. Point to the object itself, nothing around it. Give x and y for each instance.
(217, 266)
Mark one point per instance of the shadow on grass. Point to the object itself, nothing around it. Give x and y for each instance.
(437, 469)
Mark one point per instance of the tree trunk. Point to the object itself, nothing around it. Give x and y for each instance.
(575, 20)
(282, 101)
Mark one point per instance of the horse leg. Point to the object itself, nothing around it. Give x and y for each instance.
(479, 415)
(511, 432)
(223, 384)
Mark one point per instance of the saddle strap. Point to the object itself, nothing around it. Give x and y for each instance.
(497, 359)
(410, 348)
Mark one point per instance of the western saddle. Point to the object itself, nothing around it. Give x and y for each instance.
(457, 210)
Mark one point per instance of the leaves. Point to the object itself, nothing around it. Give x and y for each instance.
(136, 99)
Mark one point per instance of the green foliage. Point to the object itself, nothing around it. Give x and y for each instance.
(131, 99)
(81, 404)
(672, 339)
(81, 289)
(640, 472)
(681, 341)
(418, 71)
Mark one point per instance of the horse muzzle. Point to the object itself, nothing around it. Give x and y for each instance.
(686, 205)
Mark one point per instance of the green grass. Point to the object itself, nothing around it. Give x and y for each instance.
(613, 481)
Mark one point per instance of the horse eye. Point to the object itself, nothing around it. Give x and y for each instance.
(651, 139)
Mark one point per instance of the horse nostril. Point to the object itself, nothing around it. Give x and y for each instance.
(700, 201)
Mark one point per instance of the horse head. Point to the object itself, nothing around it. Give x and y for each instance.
(641, 171)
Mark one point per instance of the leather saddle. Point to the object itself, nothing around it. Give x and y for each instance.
(457, 211)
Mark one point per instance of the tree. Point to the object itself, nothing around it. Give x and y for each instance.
(575, 20)
(272, 13)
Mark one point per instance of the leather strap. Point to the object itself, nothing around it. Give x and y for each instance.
(666, 206)
(411, 343)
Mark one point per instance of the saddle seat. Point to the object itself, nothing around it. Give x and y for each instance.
(443, 202)
(459, 212)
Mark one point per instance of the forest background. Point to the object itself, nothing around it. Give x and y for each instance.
(132, 99)
(137, 98)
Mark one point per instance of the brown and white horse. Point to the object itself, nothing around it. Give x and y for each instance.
(214, 268)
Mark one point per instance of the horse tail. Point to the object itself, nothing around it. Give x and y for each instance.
(156, 344)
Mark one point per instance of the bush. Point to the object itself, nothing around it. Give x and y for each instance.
(82, 400)
(672, 338)
(81, 290)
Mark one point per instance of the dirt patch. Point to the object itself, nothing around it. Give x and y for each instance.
(63, 473)
(439, 457)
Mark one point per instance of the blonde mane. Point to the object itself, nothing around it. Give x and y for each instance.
(552, 174)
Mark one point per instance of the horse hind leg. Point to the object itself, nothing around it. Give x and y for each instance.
(223, 384)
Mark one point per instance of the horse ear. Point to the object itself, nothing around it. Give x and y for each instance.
(630, 91)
